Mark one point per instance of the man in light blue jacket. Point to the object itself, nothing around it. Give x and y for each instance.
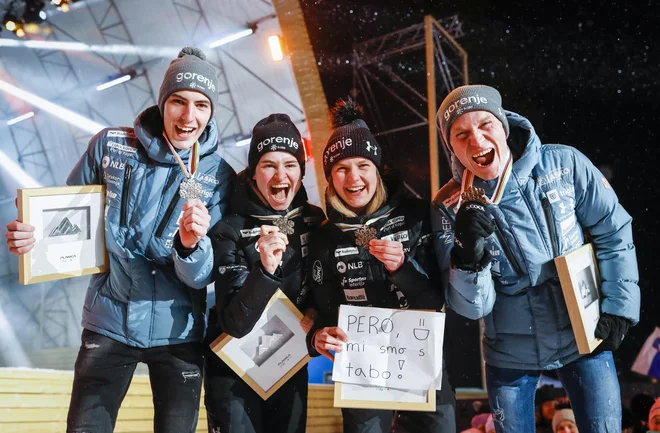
(512, 206)
(140, 310)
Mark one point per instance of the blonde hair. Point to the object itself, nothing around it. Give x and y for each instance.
(334, 200)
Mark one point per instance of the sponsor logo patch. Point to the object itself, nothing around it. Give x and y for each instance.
(355, 295)
(553, 196)
(451, 200)
(394, 222)
(398, 236)
(353, 282)
(317, 272)
(121, 147)
(248, 233)
(356, 265)
(120, 134)
(341, 267)
(341, 252)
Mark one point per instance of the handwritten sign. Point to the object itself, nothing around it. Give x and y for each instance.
(390, 348)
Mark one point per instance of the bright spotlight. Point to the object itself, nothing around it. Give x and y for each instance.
(17, 172)
(231, 38)
(276, 47)
(114, 82)
(244, 142)
(60, 112)
(20, 118)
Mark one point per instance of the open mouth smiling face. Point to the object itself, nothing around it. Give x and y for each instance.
(479, 142)
(278, 178)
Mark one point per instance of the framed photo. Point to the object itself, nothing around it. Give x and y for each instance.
(375, 397)
(69, 232)
(272, 352)
(580, 283)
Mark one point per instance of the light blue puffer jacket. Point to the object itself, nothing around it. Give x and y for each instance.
(141, 302)
(553, 197)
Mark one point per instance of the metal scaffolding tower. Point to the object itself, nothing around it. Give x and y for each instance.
(398, 70)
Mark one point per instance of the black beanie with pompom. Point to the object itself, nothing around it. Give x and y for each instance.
(351, 137)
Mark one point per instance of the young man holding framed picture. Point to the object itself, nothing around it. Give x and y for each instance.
(512, 206)
(162, 170)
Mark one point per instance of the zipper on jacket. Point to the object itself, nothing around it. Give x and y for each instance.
(507, 250)
(167, 216)
(547, 211)
(124, 195)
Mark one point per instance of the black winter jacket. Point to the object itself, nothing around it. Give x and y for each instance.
(242, 286)
(341, 272)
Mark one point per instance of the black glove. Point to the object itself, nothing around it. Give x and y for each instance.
(611, 329)
(473, 225)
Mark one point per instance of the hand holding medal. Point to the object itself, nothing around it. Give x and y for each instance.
(389, 253)
(272, 244)
(194, 223)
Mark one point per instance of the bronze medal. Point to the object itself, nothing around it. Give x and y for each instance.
(285, 225)
(363, 235)
(474, 194)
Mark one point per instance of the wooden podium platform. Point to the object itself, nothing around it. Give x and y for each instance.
(36, 401)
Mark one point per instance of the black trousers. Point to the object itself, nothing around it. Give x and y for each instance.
(233, 407)
(443, 420)
(104, 370)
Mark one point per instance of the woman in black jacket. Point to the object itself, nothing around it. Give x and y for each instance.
(375, 250)
(260, 247)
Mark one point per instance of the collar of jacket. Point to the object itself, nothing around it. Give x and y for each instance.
(525, 146)
(245, 202)
(395, 192)
(148, 127)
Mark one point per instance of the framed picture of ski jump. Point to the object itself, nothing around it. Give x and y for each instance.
(272, 352)
(69, 232)
(580, 283)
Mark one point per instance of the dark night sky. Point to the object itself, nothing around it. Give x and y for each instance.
(585, 74)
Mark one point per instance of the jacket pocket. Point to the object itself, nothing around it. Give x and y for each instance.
(507, 249)
(550, 221)
(124, 195)
(168, 215)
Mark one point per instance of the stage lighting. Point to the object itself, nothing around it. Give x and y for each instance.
(20, 118)
(34, 13)
(20, 32)
(233, 37)
(58, 111)
(113, 81)
(10, 21)
(243, 142)
(276, 47)
(56, 2)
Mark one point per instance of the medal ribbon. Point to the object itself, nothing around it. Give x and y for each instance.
(348, 227)
(193, 160)
(496, 197)
(291, 214)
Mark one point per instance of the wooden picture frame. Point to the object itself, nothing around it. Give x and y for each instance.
(69, 232)
(580, 283)
(265, 368)
(370, 397)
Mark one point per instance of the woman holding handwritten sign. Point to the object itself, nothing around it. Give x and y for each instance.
(374, 250)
